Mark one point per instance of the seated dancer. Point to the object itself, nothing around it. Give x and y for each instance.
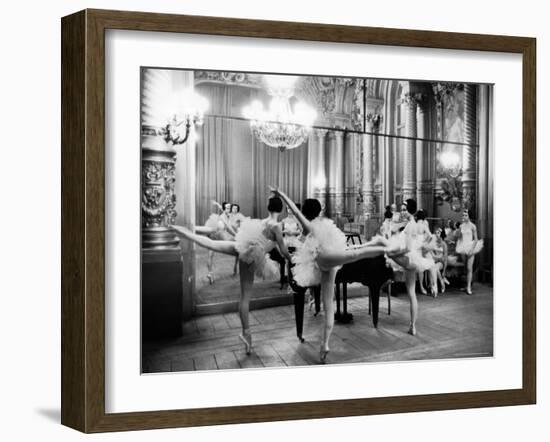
(252, 243)
(427, 247)
(411, 262)
(468, 245)
(386, 228)
(322, 253)
(217, 227)
(440, 253)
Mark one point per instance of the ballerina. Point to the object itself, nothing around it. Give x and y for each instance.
(252, 243)
(217, 227)
(468, 245)
(411, 262)
(235, 220)
(322, 253)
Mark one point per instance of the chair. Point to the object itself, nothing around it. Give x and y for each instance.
(350, 229)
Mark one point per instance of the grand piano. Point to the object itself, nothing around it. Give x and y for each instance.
(371, 272)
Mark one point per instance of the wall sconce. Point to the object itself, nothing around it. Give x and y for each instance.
(179, 126)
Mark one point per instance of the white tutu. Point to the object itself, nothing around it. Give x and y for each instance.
(324, 237)
(216, 223)
(253, 247)
(469, 248)
(413, 259)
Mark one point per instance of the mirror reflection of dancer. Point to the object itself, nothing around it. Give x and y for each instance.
(411, 262)
(252, 244)
(217, 227)
(235, 220)
(468, 245)
(323, 252)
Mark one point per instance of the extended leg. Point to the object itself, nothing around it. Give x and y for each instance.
(227, 247)
(333, 259)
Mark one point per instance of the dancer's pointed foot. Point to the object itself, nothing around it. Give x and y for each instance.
(412, 330)
(246, 339)
(210, 278)
(469, 292)
(446, 281)
(323, 355)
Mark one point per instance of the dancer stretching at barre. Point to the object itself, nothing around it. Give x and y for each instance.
(323, 252)
(253, 242)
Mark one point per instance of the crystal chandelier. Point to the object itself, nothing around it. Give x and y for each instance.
(281, 125)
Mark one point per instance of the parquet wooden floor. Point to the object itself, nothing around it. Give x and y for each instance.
(453, 325)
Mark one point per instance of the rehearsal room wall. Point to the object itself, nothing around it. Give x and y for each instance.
(30, 221)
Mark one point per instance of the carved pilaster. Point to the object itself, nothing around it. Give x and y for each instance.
(369, 202)
(158, 199)
(320, 174)
(469, 151)
(409, 166)
(335, 195)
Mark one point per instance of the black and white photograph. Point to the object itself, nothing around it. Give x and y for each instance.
(303, 220)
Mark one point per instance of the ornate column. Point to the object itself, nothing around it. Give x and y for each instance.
(350, 192)
(336, 174)
(369, 206)
(424, 182)
(469, 150)
(409, 166)
(158, 199)
(320, 175)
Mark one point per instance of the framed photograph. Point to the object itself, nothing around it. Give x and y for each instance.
(266, 221)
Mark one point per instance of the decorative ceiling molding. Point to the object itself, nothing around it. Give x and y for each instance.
(229, 78)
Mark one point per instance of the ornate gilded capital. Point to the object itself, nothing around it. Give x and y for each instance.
(443, 90)
(320, 133)
(413, 99)
(373, 121)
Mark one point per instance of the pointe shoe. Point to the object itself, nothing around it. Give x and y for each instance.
(412, 330)
(469, 292)
(246, 339)
(446, 281)
(210, 278)
(323, 356)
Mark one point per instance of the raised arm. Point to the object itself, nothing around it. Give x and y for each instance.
(299, 215)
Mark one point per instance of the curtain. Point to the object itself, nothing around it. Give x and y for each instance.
(233, 166)
(286, 170)
(212, 153)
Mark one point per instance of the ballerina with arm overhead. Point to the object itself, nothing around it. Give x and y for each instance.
(323, 252)
(253, 242)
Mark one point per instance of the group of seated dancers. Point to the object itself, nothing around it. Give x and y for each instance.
(455, 245)
(319, 250)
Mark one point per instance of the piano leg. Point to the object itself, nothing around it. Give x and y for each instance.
(299, 299)
(345, 317)
(317, 298)
(374, 297)
(337, 293)
(282, 265)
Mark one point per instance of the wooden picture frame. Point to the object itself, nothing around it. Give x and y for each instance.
(83, 220)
